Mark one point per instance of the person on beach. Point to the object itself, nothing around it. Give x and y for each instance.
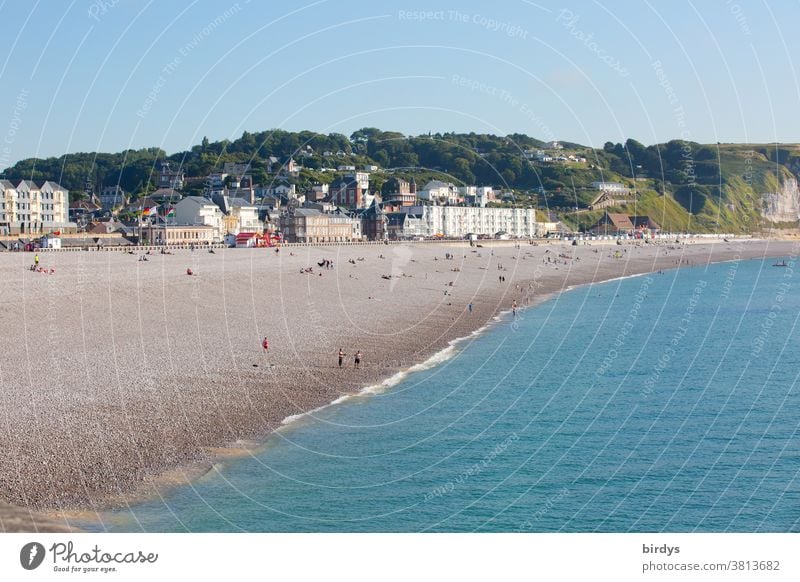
(469, 307)
(357, 360)
(36, 259)
(341, 356)
(514, 307)
(265, 345)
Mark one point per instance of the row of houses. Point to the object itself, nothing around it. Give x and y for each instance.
(232, 204)
(30, 208)
(202, 220)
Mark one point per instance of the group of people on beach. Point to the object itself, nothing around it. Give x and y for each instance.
(342, 354)
(356, 358)
(35, 266)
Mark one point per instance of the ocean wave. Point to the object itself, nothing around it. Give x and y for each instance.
(436, 359)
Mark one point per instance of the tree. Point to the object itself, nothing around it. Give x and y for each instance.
(364, 134)
(382, 158)
(635, 150)
(461, 168)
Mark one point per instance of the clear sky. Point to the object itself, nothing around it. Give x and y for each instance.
(106, 75)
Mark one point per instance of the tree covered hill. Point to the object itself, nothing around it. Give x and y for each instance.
(684, 184)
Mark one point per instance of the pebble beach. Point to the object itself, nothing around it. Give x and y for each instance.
(120, 376)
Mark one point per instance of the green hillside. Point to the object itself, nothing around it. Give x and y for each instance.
(683, 185)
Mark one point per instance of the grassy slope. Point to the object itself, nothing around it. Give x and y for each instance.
(746, 172)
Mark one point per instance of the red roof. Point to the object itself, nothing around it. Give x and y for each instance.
(619, 220)
(246, 235)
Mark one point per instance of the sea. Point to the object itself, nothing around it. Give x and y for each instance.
(666, 402)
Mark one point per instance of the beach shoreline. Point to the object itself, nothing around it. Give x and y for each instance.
(244, 397)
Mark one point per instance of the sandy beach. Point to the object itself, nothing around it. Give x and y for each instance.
(117, 371)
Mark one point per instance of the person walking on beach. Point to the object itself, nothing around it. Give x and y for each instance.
(514, 307)
(265, 345)
(469, 307)
(341, 356)
(36, 259)
(357, 360)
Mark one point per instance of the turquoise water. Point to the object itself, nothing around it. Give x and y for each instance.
(660, 403)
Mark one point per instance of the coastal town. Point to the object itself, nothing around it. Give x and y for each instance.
(349, 283)
(282, 270)
(233, 210)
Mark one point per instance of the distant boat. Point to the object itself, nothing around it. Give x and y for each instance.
(781, 263)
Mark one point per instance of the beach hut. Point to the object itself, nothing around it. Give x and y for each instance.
(51, 242)
(247, 240)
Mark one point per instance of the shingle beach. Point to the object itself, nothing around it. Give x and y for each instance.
(117, 371)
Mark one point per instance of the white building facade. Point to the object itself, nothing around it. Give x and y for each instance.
(440, 192)
(609, 186)
(459, 221)
(27, 208)
(245, 216)
(199, 211)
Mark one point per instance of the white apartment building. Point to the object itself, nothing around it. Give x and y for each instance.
(609, 186)
(199, 211)
(26, 208)
(246, 215)
(440, 192)
(459, 221)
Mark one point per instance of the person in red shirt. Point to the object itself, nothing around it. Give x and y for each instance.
(265, 345)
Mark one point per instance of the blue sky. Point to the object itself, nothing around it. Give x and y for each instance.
(107, 75)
